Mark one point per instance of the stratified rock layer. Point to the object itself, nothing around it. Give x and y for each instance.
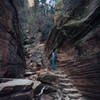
(77, 36)
(12, 63)
(16, 89)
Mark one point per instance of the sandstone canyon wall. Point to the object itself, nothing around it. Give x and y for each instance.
(12, 63)
(77, 35)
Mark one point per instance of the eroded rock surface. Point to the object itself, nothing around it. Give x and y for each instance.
(16, 89)
(77, 38)
(48, 78)
(48, 87)
(12, 63)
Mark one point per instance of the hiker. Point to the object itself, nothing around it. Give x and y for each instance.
(53, 59)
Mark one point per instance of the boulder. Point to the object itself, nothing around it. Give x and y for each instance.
(44, 89)
(48, 78)
(48, 87)
(19, 96)
(16, 89)
(46, 97)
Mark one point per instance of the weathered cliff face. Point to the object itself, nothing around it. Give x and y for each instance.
(15, 89)
(77, 36)
(12, 63)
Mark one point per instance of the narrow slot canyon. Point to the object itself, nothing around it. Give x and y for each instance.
(50, 50)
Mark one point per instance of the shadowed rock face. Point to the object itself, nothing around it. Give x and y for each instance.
(75, 26)
(48, 87)
(48, 79)
(12, 62)
(77, 35)
(16, 89)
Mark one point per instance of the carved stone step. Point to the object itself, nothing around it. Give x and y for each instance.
(59, 75)
(70, 90)
(74, 96)
(59, 72)
(66, 85)
(65, 80)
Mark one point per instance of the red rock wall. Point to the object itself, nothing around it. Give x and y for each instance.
(12, 63)
(80, 41)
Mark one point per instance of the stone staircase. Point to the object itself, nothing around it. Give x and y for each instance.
(69, 91)
(73, 76)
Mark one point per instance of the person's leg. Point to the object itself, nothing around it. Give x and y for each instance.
(53, 64)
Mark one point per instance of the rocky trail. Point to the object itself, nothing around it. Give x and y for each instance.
(67, 90)
(33, 32)
(63, 84)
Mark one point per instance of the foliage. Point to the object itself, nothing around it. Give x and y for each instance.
(43, 17)
(40, 17)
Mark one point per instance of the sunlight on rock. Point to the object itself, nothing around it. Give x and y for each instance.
(31, 3)
(40, 45)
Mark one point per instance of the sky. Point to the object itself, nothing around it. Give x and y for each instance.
(52, 3)
(31, 3)
(47, 1)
